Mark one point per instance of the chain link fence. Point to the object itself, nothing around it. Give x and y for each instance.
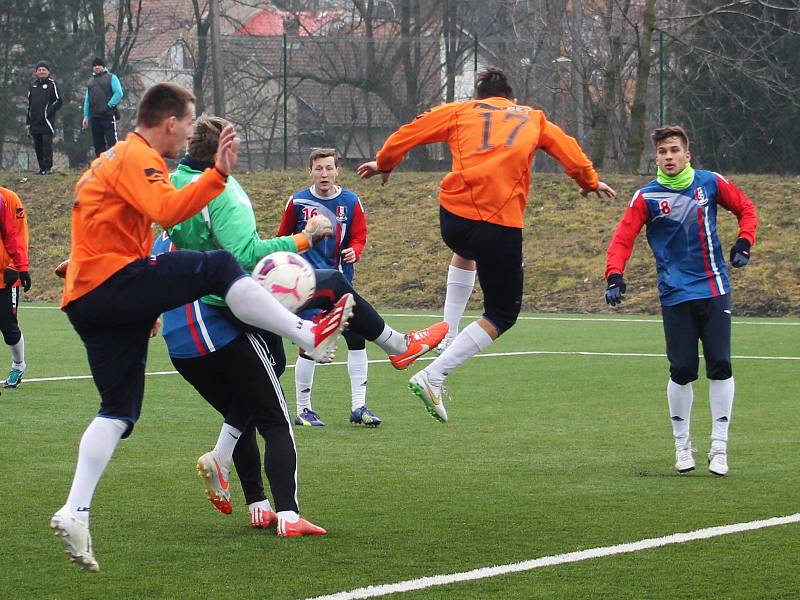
(287, 94)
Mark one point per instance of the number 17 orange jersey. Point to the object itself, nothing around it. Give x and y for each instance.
(492, 142)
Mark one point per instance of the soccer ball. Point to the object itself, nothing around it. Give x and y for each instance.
(288, 277)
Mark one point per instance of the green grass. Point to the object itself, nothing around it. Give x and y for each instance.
(544, 454)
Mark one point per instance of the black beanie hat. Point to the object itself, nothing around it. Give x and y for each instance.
(43, 63)
(98, 62)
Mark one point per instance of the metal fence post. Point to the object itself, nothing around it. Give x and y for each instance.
(285, 103)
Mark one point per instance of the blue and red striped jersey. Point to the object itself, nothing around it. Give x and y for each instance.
(345, 212)
(194, 329)
(682, 233)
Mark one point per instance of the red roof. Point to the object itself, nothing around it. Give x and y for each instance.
(272, 23)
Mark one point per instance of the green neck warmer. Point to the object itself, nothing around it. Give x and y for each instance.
(681, 181)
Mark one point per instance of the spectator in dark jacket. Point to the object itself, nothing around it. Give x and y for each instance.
(43, 102)
(103, 93)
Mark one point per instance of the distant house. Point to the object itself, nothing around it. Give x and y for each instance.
(327, 103)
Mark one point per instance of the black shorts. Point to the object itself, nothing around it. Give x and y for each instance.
(497, 252)
(114, 319)
(9, 304)
(240, 381)
(707, 321)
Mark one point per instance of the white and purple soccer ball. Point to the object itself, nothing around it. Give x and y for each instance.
(288, 277)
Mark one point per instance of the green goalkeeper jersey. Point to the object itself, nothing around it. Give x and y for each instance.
(227, 223)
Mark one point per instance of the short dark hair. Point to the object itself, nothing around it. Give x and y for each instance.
(317, 153)
(667, 131)
(98, 62)
(492, 82)
(205, 138)
(162, 101)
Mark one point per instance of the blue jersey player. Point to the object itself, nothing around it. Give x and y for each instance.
(679, 208)
(340, 251)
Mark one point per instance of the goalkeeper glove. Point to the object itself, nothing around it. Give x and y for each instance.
(25, 279)
(740, 253)
(10, 277)
(615, 291)
(317, 227)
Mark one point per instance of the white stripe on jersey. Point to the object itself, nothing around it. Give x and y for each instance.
(198, 315)
(711, 258)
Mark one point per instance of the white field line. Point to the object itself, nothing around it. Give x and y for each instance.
(598, 319)
(429, 358)
(542, 318)
(374, 591)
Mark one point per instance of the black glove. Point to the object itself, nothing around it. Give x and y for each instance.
(615, 291)
(740, 253)
(25, 279)
(10, 276)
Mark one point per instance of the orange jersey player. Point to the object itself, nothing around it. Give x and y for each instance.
(14, 264)
(482, 201)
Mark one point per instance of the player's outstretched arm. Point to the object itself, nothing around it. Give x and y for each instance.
(602, 188)
(370, 169)
(227, 150)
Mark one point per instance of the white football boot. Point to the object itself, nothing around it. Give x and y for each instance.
(718, 461)
(684, 456)
(431, 395)
(75, 536)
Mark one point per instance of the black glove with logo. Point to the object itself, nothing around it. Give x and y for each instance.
(10, 276)
(740, 253)
(25, 280)
(615, 291)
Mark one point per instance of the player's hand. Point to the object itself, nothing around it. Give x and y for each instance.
(349, 255)
(61, 269)
(227, 150)
(155, 328)
(84, 123)
(25, 280)
(740, 253)
(615, 291)
(10, 276)
(602, 188)
(318, 227)
(370, 169)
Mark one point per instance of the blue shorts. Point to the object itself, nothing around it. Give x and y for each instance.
(114, 319)
(707, 321)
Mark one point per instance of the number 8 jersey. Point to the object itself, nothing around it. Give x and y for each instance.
(682, 233)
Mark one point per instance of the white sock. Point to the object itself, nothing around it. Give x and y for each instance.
(391, 341)
(357, 367)
(18, 354)
(472, 339)
(256, 306)
(720, 397)
(303, 382)
(97, 447)
(289, 516)
(262, 504)
(460, 283)
(679, 398)
(226, 442)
